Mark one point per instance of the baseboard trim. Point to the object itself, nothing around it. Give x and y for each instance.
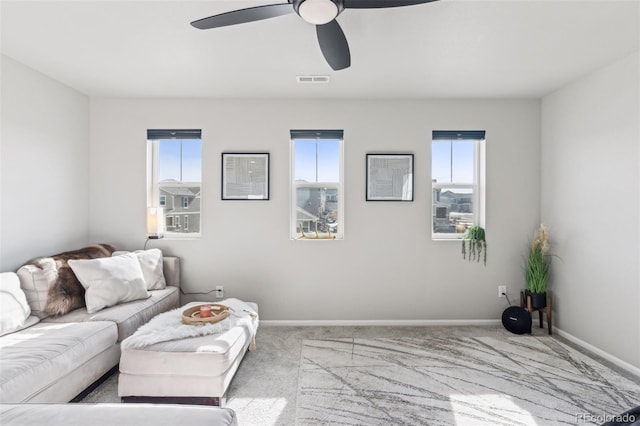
(376, 323)
(601, 353)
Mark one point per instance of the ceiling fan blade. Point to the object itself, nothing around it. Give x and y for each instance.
(376, 4)
(241, 16)
(333, 45)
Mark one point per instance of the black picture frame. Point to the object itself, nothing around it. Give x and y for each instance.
(389, 177)
(245, 176)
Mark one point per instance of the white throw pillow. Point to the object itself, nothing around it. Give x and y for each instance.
(152, 267)
(14, 309)
(35, 282)
(110, 280)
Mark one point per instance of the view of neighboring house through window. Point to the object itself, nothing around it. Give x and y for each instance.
(175, 178)
(457, 160)
(317, 210)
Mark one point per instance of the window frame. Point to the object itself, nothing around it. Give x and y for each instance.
(478, 188)
(294, 186)
(153, 188)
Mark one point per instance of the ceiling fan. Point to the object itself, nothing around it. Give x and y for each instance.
(321, 13)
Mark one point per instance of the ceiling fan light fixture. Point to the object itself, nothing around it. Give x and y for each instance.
(321, 13)
(318, 12)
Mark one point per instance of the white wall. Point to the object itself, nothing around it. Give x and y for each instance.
(387, 267)
(591, 202)
(44, 172)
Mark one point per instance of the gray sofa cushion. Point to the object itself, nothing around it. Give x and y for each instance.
(115, 414)
(127, 316)
(42, 354)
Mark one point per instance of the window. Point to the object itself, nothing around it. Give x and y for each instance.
(317, 207)
(175, 177)
(185, 222)
(457, 161)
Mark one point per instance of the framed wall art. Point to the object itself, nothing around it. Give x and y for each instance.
(389, 177)
(245, 176)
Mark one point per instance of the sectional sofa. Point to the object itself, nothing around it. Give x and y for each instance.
(53, 359)
(48, 360)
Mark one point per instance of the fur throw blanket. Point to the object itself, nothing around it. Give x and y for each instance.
(65, 291)
(168, 326)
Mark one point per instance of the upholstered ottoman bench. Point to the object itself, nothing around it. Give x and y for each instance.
(192, 364)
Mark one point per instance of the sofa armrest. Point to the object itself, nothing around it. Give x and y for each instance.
(115, 414)
(171, 269)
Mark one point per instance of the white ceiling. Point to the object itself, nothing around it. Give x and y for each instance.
(445, 49)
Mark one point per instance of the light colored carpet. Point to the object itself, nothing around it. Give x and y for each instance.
(278, 384)
(463, 381)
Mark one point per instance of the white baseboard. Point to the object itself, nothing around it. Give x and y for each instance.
(377, 323)
(612, 359)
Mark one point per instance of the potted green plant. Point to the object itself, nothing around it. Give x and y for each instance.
(537, 268)
(475, 243)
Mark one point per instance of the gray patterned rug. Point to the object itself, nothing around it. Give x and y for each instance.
(521, 380)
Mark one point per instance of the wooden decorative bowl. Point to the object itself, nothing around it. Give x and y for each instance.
(191, 316)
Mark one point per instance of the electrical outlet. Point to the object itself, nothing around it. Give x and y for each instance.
(502, 290)
(219, 291)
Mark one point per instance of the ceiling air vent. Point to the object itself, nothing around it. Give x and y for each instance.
(312, 78)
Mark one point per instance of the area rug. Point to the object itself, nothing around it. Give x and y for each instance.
(522, 380)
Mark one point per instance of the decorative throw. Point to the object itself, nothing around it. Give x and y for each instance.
(168, 326)
(65, 292)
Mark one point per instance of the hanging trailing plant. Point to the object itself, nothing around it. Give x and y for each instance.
(474, 244)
